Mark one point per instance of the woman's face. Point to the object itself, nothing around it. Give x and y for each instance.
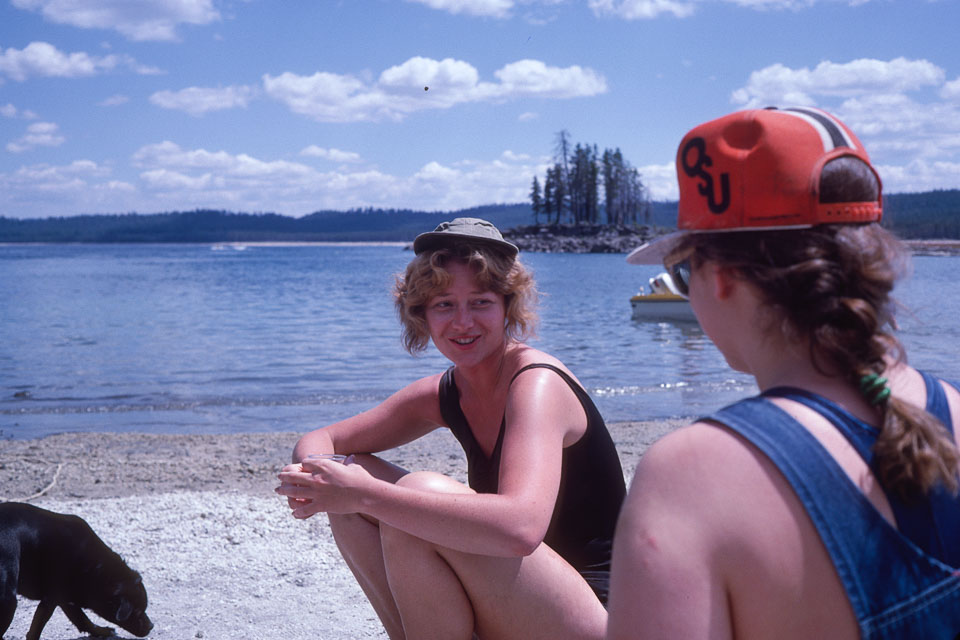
(465, 321)
(715, 319)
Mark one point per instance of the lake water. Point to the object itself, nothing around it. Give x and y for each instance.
(201, 339)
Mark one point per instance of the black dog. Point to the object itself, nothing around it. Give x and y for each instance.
(58, 560)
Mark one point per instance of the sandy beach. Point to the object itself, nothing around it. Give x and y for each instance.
(196, 514)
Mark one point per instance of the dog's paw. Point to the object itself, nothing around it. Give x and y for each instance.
(101, 632)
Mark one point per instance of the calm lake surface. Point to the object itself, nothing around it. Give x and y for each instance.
(201, 339)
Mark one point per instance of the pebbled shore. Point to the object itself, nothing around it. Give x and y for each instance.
(219, 553)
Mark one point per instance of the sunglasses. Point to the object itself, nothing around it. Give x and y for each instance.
(680, 272)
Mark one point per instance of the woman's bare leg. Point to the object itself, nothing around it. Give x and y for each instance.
(358, 538)
(442, 593)
(443, 610)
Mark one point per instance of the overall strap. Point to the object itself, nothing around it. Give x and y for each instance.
(858, 433)
(890, 582)
(937, 400)
(932, 522)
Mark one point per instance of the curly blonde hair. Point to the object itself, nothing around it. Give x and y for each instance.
(427, 276)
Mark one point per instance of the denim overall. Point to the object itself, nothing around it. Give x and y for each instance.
(903, 584)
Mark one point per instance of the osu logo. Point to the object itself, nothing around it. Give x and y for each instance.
(696, 169)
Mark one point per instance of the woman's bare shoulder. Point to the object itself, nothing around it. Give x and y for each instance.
(523, 355)
(703, 441)
(702, 468)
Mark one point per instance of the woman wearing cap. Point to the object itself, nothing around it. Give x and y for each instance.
(825, 507)
(524, 551)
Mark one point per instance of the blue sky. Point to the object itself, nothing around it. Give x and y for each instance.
(114, 106)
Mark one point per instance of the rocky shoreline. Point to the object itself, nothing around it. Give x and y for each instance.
(602, 238)
(580, 238)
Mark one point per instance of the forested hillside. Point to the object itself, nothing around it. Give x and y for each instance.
(929, 215)
(932, 214)
(224, 226)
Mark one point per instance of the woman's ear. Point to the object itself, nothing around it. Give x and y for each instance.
(722, 280)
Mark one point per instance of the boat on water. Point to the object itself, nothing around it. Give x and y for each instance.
(661, 301)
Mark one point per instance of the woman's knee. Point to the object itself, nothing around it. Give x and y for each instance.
(396, 540)
(432, 481)
(378, 467)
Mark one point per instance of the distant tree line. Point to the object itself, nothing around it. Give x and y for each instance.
(927, 215)
(572, 187)
(209, 225)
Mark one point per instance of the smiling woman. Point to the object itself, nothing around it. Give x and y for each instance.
(495, 273)
(436, 557)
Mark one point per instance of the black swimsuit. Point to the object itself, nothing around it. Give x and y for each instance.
(592, 487)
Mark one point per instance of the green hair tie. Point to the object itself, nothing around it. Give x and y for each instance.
(874, 388)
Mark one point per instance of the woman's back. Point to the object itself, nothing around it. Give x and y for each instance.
(755, 561)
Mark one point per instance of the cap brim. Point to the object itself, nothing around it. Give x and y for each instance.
(654, 252)
(443, 239)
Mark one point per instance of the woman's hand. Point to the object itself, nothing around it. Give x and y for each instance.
(317, 486)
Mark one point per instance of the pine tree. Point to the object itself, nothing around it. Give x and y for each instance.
(536, 203)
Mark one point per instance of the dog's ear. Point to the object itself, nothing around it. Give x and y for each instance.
(121, 586)
(124, 611)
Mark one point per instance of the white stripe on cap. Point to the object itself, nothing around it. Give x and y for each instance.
(831, 132)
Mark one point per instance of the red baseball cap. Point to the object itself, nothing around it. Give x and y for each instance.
(757, 170)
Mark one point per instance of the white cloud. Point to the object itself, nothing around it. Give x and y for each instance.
(115, 100)
(510, 156)
(534, 78)
(198, 101)
(422, 73)
(651, 9)
(8, 111)
(326, 97)
(660, 181)
(202, 178)
(39, 134)
(892, 106)
(488, 8)
(218, 176)
(780, 85)
(140, 21)
(45, 60)
(336, 155)
(46, 178)
(919, 175)
(171, 176)
(166, 180)
(471, 183)
(951, 90)
(82, 186)
(527, 116)
(421, 84)
(641, 9)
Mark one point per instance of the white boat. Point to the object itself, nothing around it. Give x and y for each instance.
(661, 302)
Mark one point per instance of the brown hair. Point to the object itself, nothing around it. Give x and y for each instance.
(426, 276)
(829, 287)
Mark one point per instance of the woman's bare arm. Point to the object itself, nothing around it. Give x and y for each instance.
(510, 523)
